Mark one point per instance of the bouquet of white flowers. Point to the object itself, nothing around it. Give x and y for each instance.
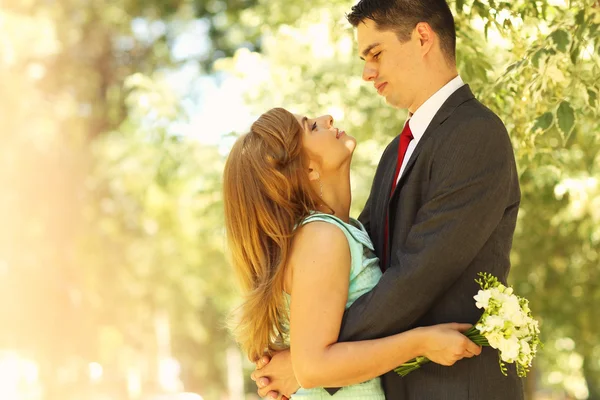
(506, 325)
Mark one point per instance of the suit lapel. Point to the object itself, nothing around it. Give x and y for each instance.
(387, 201)
(389, 167)
(457, 98)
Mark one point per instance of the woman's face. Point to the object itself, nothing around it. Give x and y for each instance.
(328, 148)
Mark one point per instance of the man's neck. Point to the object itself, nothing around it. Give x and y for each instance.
(431, 87)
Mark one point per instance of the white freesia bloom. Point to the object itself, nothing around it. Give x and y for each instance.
(511, 310)
(494, 339)
(482, 298)
(494, 321)
(506, 324)
(509, 349)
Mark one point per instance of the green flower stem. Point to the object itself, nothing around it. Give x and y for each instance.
(473, 334)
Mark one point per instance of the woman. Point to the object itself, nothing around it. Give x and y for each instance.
(302, 260)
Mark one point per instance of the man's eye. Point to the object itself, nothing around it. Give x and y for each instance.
(314, 126)
(376, 55)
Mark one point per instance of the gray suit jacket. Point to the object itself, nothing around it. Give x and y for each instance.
(451, 216)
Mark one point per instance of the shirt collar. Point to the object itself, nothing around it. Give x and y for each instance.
(421, 119)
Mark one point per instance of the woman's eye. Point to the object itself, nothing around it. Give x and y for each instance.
(376, 55)
(314, 126)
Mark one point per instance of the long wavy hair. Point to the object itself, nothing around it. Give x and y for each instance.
(266, 193)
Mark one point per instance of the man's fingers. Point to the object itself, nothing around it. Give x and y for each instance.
(473, 348)
(463, 327)
(480, 350)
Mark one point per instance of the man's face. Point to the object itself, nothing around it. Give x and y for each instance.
(392, 66)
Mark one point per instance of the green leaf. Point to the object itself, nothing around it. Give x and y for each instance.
(561, 38)
(592, 97)
(535, 59)
(512, 66)
(580, 18)
(566, 118)
(574, 53)
(544, 121)
(459, 6)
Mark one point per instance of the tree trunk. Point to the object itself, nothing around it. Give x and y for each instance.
(591, 373)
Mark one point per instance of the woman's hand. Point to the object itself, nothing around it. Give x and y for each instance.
(444, 344)
(274, 376)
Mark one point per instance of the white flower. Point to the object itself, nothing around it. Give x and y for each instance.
(494, 339)
(511, 310)
(498, 295)
(522, 332)
(510, 306)
(507, 323)
(526, 354)
(482, 329)
(494, 321)
(509, 349)
(536, 326)
(482, 298)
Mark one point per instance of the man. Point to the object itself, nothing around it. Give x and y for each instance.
(443, 205)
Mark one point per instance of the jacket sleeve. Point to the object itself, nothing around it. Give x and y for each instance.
(469, 190)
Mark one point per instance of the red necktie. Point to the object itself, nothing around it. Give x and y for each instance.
(405, 138)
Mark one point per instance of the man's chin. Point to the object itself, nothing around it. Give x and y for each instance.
(390, 101)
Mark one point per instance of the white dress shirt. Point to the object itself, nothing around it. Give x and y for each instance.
(421, 119)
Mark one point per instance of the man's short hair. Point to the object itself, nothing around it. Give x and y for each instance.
(401, 17)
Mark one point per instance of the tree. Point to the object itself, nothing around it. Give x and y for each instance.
(109, 219)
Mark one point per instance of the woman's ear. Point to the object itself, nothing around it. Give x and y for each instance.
(313, 174)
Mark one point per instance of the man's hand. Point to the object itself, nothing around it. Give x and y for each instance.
(275, 377)
(445, 344)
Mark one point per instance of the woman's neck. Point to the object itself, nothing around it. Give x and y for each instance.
(336, 194)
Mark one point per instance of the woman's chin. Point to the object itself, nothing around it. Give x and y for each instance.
(350, 143)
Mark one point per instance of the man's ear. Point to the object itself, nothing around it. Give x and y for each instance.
(426, 36)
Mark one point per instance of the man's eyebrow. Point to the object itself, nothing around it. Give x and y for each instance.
(368, 49)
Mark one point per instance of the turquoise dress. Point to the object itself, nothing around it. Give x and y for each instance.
(364, 275)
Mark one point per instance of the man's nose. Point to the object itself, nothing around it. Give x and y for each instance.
(369, 73)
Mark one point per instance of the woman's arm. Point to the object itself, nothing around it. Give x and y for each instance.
(320, 262)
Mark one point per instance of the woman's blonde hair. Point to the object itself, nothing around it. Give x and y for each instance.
(266, 193)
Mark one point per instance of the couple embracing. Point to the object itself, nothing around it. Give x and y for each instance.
(332, 304)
